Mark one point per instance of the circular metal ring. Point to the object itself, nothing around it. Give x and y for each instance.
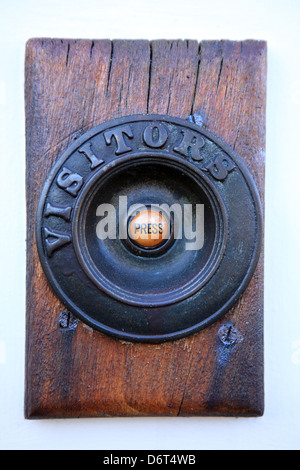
(150, 159)
(179, 292)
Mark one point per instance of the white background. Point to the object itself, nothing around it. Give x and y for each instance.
(278, 22)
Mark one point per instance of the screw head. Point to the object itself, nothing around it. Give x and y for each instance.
(228, 335)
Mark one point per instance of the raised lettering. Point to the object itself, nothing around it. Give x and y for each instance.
(220, 167)
(118, 134)
(58, 211)
(70, 182)
(86, 150)
(190, 145)
(58, 240)
(155, 135)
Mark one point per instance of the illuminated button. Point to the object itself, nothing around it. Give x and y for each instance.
(148, 228)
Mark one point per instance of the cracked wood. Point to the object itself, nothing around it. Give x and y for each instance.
(70, 87)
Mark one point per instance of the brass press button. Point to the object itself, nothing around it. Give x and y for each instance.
(148, 228)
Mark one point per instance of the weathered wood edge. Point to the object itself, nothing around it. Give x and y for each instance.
(28, 413)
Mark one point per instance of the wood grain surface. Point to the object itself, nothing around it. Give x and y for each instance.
(70, 87)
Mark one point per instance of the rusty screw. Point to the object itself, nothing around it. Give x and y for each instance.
(228, 335)
(196, 118)
(67, 321)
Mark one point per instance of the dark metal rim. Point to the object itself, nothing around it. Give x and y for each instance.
(197, 327)
(144, 300)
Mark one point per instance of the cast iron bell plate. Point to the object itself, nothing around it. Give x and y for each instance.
(173, 292)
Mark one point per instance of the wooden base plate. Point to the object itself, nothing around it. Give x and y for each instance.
(70, 87)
